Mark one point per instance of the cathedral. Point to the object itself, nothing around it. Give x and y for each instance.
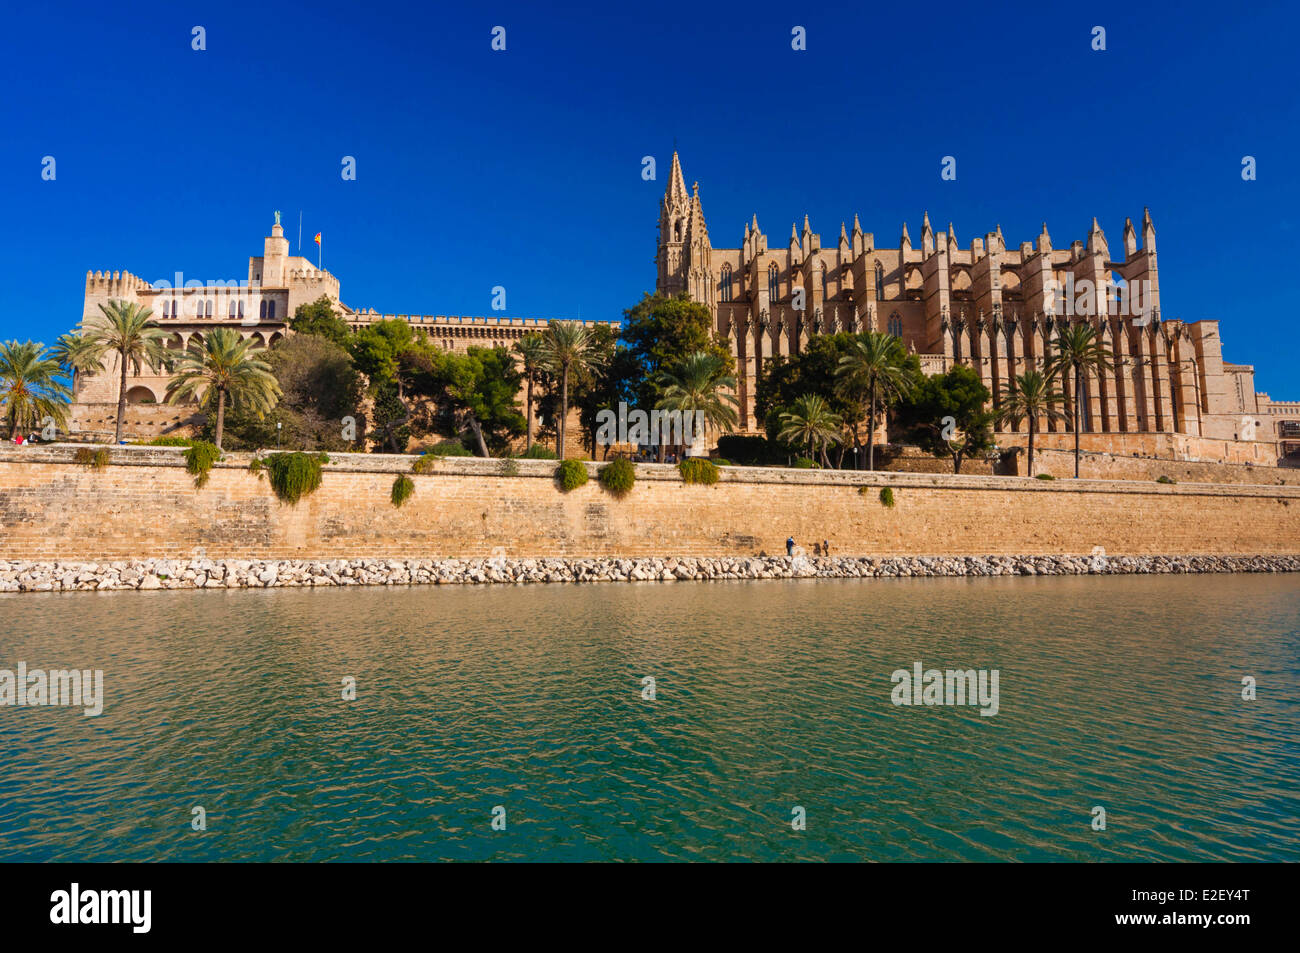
(993, 307)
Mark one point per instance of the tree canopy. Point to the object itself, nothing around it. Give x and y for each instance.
(320, 320)
(945, 415)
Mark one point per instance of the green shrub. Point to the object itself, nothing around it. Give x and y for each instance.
(720, 462)
(172, 441)
(539, 452)
(448, 448)
(424, 463)
(95, 458)
(1165, 479)
(698, 470)
(509, 467)
(255, 466)
(1044, 476)
(887, 497)
(199, 459)
(617, 476)
(403, 487)
(294, 475)
(571, 474)
(803, 463)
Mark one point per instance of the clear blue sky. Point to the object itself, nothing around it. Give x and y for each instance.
(522, 168)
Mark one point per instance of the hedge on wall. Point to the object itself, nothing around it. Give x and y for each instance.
(698, 470)
(294, 475)
(403, 487)
(571, 474)
(617, 476)
(199, 459)
(95, 459)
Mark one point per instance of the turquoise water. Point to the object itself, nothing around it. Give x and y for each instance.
(1122, 692)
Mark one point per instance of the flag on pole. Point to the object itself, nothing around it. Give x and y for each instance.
(319, 249)
(317, 238)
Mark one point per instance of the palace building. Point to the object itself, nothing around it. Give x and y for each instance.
(993, 307)
(259, 307)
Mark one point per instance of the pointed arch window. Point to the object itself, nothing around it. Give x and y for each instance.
(208, 310)
(231, 314)
(773, 281)
(270, 310)
(726, 283)
(261, 311)
(880, 282)
(896, 325)
(167, 309)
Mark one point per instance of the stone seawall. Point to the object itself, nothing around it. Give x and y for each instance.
(157, 574)
(145, 505)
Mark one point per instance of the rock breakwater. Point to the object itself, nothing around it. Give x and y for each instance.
(203, 573)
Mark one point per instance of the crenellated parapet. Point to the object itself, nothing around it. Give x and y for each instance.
(519, 325)
(114, 284)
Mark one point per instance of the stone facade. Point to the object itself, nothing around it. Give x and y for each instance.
(988, 305)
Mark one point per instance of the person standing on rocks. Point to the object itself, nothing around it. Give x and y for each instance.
(826, 547)
(789, 546)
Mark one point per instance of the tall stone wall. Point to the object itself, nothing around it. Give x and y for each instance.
(145, 504)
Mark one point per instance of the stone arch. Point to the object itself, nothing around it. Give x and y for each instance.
(140, 394)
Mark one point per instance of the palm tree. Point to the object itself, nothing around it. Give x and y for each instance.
(1080, 353)
(129, 330)
(221, 363)
(698, 384)
(569, 349)
(30, 389)
(531, 349)
(78, 354)
(1030, 395)
(875, 368)
(810, 421)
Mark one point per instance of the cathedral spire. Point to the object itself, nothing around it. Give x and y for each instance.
(905, 242)
(676, 192)
(1148, 232)
(1097, 240)
(1130, 239)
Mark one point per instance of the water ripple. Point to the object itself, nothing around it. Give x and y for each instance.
(1122, 692)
